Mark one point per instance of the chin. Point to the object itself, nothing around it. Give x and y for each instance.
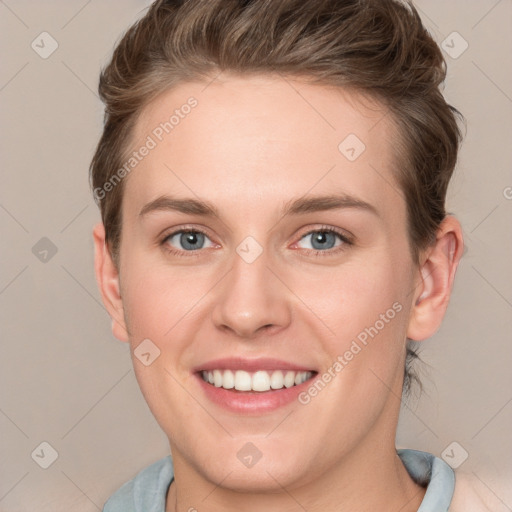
(264, 479)
(250, 470)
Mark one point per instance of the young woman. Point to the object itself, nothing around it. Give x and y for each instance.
(272, 177)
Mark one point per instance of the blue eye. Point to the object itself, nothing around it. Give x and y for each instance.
(191, 241)
(323, 239)
(188, 240)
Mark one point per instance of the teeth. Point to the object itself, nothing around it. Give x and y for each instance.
(242, 381)
(228, 380)
(289, 379)
(261, 381)
(217, 378)
(257, 381)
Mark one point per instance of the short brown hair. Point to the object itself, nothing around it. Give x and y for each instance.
(377, 47)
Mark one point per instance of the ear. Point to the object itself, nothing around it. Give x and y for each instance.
(435, 280)
(107, 277)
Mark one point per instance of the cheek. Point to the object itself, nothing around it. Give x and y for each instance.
(363, 316)
(161, 304)
(159, 299)
(351, 297)
(360, 316)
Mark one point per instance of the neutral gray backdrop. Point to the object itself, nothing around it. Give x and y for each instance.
(66, 381)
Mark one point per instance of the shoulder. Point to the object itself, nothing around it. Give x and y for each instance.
(448, 490)
(146, 492)
(472, 495)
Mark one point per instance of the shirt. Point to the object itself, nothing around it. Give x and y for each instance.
(147, 492)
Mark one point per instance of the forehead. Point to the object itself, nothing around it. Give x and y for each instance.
(277, 136)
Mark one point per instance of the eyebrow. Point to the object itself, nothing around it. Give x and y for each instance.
(311, 204)
(299, 206)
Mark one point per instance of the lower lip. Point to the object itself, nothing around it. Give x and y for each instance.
(252, 401)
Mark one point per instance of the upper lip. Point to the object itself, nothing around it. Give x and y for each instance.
(251, 365)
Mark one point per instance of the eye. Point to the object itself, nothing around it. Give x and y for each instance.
(188, 240)
(323, 240)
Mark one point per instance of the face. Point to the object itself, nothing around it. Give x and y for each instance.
(264, 242)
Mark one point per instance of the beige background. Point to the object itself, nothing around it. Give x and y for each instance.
(66, 381)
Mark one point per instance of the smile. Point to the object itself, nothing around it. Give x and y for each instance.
(260, 380)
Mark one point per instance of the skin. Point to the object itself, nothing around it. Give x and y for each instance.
(250, 146)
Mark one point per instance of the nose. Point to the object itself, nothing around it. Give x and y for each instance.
(251, 300)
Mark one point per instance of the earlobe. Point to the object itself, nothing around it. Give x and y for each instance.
(107, 277)
(435, 280)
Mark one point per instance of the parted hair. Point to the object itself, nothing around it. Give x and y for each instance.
(377, 47)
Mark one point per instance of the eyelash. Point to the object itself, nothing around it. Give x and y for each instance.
(176, 252)
(317, 253)
(328, 252)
